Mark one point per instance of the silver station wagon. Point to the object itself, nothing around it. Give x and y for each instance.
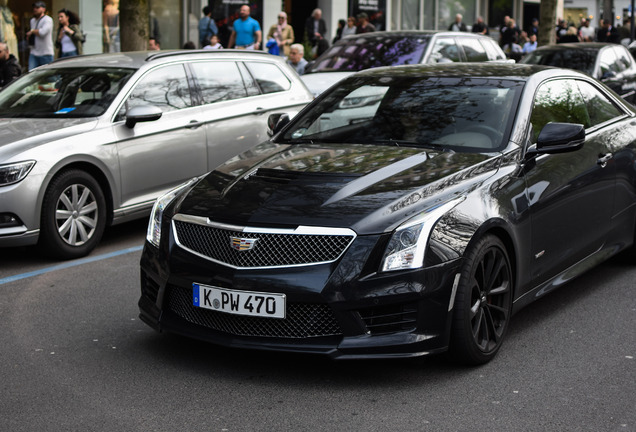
(92, 141)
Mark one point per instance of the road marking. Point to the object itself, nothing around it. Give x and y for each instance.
(69, 264)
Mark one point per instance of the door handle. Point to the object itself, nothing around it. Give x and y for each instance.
(603, 159)
(193, 124)
(258, 111)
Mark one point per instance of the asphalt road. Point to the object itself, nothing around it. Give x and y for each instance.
(75, 357)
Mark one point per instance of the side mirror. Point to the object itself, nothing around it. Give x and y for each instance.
(276, 123)
(143, 113)
(558, 138)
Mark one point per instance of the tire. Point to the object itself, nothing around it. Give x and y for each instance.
(73, 215)
(483, 303)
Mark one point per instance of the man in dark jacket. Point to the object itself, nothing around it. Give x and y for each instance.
(9, 67)
(316, 30)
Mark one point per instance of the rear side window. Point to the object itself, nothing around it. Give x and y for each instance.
(444, 51)
(219, 81)
(268, 77)
(474, 51)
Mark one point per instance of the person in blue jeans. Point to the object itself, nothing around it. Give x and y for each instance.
(246, 33)
(40, 36)
(69, 36)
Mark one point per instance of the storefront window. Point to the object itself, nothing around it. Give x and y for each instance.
(410, 15)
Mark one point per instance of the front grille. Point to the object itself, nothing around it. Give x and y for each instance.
(390, 319)
(302, 320)
(270, 249)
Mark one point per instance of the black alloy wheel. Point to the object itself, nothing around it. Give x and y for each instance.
(483, 302)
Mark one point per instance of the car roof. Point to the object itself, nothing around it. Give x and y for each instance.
(486, 70)
(412, 33)
(588, 46)
(137, 59)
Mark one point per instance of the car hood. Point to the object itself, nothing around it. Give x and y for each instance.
(368, 188)
(320, 81)
(20, 134)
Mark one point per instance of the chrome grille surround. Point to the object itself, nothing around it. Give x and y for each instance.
(273, 248)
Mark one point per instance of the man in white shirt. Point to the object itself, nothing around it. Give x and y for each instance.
(40, 36)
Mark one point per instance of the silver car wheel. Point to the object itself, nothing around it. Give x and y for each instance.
(76, 214)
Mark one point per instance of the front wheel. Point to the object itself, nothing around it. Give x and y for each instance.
(73, 215)
(483, 302)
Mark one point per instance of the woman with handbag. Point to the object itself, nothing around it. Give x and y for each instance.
(69, 36)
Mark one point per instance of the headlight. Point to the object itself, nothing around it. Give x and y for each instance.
(14, 173)
(408, 243)
(153, 235)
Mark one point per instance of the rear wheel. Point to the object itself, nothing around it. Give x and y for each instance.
(73, 215)
(483, 302)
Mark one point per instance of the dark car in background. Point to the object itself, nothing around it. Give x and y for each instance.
(464, 194)
(611, 64)
(394, 48)
(92, 141)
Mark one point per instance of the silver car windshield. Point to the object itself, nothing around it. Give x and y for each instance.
(458, 114)
(63, 92)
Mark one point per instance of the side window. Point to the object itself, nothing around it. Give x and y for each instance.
(219, 81)
(473, 49)
(599, 107)
(494, 52)
(625, 59)
(608, 62)
(268, 76)
(444, 51)
(166, 88)
(558, 101)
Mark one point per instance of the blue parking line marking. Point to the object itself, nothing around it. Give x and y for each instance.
(69, 264)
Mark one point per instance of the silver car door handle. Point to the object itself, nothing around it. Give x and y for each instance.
(258, 111)
(194, 124)
(603, 159)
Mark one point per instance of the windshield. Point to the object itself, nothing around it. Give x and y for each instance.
(466, 114)
(577, 59)
(358, 53)
(63, 92)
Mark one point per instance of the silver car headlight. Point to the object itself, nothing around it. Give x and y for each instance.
(408, 243)
(14, 173)
(153, 235)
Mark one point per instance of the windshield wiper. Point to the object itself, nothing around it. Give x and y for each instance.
(407, 143)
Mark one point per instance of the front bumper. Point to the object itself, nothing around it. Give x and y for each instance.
(333, 309)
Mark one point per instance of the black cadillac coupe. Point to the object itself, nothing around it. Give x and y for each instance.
(407, 211)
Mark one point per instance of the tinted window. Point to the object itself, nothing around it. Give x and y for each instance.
(444, 51)
(64, 92)
(166, 88)
(578, 59)
(558, 101)
(356, 53)
(493, 50)
(268, 77)
(599, 107)
(219, 81)
(474, 51)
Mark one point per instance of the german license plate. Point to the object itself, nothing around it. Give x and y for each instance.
(251, 303)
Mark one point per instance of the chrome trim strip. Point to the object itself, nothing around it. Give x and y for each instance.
(300, 230)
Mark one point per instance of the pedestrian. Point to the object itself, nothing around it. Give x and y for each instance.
(607, 32)
(40, 36)
(586, 32)
(110, 19)
(316, 29)
(341, 25)
(364, 26)
(207, 27)
(282, 33)
(296, 58)
(351, 27)
(189, 45)
(534, 28)
(246, 33)
(9, 66)
(7, 28)
(458, 25)
(571, 35)
(153, 44)
(510, 33)
(531, 45)
(69, 35)
(214, 44)
(480, 26)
